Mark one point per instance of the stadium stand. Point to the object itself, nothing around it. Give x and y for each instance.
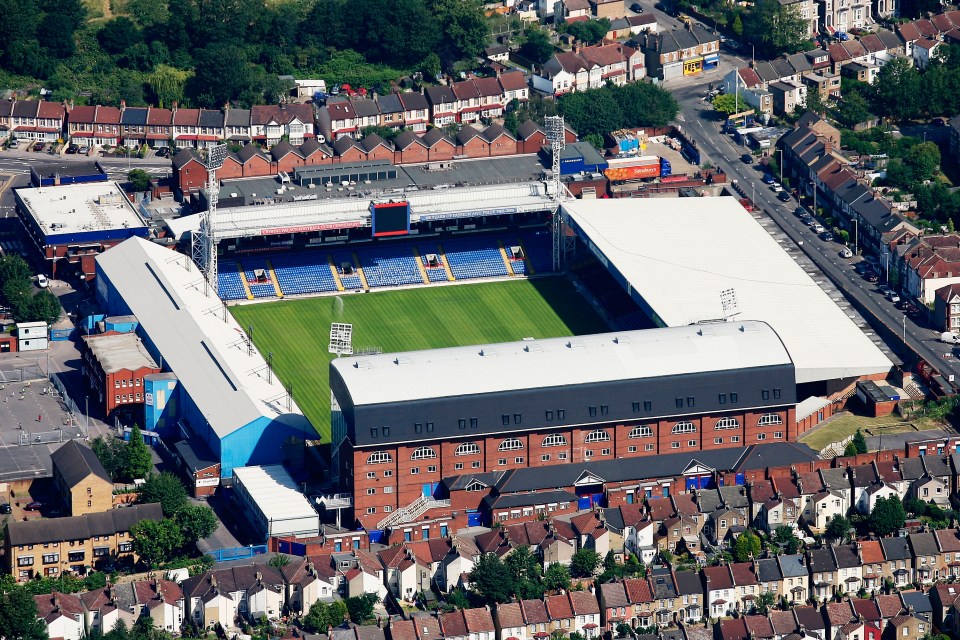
(472, 258)
(228, 282)
(389, 265)
(623, 311)
(352, 280)
(303, 272)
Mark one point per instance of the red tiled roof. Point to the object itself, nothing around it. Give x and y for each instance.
(638, 590)
(512, 81)
(186, 117)
(83, 114)
(871, 552)
(559, 607)
(51, 110)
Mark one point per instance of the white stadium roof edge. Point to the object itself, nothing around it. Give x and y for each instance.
(333, 213)
(208, 354)
(679, 254)
(557, 362)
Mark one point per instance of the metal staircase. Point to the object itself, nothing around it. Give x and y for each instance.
(411, 512)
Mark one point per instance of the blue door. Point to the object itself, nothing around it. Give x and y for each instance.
(629, 498)
(666, 492)
(583, 503)
(473, 518)
(428, 490)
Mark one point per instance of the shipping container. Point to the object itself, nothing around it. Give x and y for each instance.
(633, 168)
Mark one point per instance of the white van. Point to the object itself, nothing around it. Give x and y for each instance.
(42, 281)
(949, 338)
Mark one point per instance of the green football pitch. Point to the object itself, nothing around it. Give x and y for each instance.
(297, 331)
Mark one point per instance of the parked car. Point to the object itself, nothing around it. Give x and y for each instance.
(783, 196)
(817, 227)
(846, 253)
(938, 122)
(903, 305)
(913, 311)
(5, 508)
(636, 8)
(808, 220)
(768, 179)
(163, 152)
(33, 506)
(73, 149)
(38, 146)
(42, 281)
(826, 236)
(893, 297)
(800, 212)
(83, 150)
(870, 276)
(747, 158)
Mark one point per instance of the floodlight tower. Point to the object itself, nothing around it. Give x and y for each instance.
(205, 241)
(555, 134)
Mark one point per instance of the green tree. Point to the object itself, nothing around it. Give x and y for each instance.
(323, 615)
(492, 580)
(887, 516)
(584, 563)
(464, 28)
(139, 461)
(589, 31)
(197, 522)
(914, 506)
(112, 454)
(18, 616)
(896, 90)
(166, 489)
(737, 25)
(139, 180)
(119, 631)
(765, 602)
(118, 35)
(458, 599)
(360, 607)
(728, 103)
(776, 28)
(44, 306)
(746, 547)
(853, 109)
(525, 568)
(924, 158)
(156, 541)
(850, 449)
(858, 440)
(278, 561)
(149, 13)
(643, 104)
(814, 102)
(838, 528)
(168, 83)
(556, 577)
(13, 267)
(783, 535)
(537, 48)
(592, 111)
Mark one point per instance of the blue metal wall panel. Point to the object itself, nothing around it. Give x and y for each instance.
(94, 236)
(260, 442)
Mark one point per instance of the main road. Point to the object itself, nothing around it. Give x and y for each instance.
(699, 122)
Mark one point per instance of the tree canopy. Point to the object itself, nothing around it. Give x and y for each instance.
(166, 489)
(838, 528)
(887, 516)
(599, 111)
(775, 28)
(746, 547)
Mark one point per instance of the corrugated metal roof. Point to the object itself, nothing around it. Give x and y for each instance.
(276, 493)
(207, 351)
(558, 362)
(680, 254)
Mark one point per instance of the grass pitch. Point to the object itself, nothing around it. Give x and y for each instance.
(297, 331)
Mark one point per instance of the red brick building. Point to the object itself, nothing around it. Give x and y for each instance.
(549, 403)
(114, 365)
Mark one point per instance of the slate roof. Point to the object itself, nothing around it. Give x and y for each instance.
(821, 560)
(133, 116)
(793, 566)
(768, 570)
(924, 544)
(237, 117)
(46, 530)
(919, 600)
(895, 548)
(365, 108)
(809, 618)
(441, 94)
(936, 466)
(76, 462)
(846, 556)
(413, 101)
(211, 118)
(614, 594)
(662, 582)
(435, 136)
(688, 583)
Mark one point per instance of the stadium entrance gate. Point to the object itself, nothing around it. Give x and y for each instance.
(473, 519)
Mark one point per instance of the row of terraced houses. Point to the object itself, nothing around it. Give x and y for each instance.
(98, 125)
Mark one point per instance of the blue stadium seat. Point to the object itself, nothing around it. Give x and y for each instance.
(539, 248)
(351, 281)
(229, 283)
(472, 258)
(434, 274)
(389, 265)
(303, 272)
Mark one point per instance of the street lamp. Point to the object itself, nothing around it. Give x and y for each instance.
(780, 151)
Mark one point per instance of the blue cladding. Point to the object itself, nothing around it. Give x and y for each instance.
(95, 236)
(260, 442)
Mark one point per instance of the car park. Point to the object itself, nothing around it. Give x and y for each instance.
(747, 158)
(783, 196)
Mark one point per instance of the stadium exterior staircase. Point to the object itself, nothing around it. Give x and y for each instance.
(412, 511)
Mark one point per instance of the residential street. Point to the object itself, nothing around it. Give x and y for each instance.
(890, 323)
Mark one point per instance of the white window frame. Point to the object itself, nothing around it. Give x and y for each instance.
(379, 457)
(467, 449)
(727, 423)
(684, 427)
(554, 440)
(768, 419)
(641, 431)
(423, 453)
(511, 444)
(597, 436)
